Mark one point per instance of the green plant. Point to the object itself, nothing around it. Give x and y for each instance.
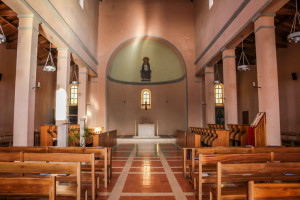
(74, 137)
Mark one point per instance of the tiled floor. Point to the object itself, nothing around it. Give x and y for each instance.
(146, 171)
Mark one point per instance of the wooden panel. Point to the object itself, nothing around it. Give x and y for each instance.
(222, 139)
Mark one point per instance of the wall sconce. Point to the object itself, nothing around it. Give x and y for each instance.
(38, 86)
(254, 85)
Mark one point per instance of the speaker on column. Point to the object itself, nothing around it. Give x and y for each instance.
(294, 76)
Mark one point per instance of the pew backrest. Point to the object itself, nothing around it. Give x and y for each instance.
(32, 187)
(273, 190)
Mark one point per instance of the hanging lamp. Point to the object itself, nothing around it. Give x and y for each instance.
(49, 67)
(2, 36)
(217, 76)
(244, 66)
(294, 35)
(74, 74)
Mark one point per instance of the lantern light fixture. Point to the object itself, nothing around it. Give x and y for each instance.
(2, 35)
(294, 35)
(49, 67)
(244, 66)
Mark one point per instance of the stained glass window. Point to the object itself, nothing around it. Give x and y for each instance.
(219, 96)
(73, 95)
(146, 99)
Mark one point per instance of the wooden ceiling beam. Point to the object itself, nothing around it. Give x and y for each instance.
(9, 23)
(7, 13)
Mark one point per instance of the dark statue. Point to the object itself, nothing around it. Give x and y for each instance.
(146, 71)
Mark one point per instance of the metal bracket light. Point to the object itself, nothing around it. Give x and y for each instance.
(49, 67)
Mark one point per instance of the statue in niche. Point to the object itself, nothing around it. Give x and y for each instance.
(146, 71)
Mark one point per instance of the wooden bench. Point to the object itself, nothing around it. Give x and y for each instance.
(245, 172)
(208, 164)
(68, 157)
(6, 139)
(103, 156)
(273, 190)
(291, 139)
(28, 187)
(212, 150)
(73, 189)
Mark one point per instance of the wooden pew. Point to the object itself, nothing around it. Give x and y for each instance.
(103, 156)
(67, 157)
(6, 139)
(48, 135)
(249, 172)
(181, 139)
(208, 164)
(103, 163)
(212, 150)
(28, 187)
(273, 190)
(291, 139)
(73, 169)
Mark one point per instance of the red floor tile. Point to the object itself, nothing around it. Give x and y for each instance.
(118, 163)
(138, 158)
(174, 153)
(116, 154)
(184, 183)
(117, 169)
(147, 198)
(147, 183)
(151, 163)
(146, 169)
(110, 187)
(175, 163)
(176, 169)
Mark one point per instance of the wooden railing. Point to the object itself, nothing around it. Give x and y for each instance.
(106, 139)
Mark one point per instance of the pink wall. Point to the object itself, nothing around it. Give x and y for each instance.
(247, 94)
(120, 20)
(44, 98)
(289, 90)
(168, 106)
(7, 88)
(209, 22)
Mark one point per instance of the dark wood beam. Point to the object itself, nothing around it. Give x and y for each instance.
(7, 13)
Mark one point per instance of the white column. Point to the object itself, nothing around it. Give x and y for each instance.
(24, 107)
(267, 76)
(82, 92)
(62, 94)
(82, 101)
(230, 87)
(210, 95)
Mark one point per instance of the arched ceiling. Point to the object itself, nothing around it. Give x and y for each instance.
(166, 62)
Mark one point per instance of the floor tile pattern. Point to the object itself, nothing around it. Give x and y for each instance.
(147, 171)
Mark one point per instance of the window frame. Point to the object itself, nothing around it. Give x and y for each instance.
(142, 99)
(70, 93)
(222, 94)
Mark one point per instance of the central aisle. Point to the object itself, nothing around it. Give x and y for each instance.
(146, 171)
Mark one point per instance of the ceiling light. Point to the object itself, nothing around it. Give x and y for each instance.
(294, 35)
(2, 36)
(244, 66)
(49, 67)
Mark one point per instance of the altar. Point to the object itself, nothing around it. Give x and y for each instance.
(146, 131)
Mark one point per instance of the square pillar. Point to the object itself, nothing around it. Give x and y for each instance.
(210, 95)
(62, 133)
(267, 76)
(62, 93)
(230, 87)
(24, 107)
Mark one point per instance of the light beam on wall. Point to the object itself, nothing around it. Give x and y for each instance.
(61, 104)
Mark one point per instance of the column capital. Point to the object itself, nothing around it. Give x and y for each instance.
(228, 53)
(209, 69)
(264, 22)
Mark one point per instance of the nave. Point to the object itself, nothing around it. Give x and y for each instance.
(146, 171)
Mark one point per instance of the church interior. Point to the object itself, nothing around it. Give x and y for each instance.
(149, 99)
